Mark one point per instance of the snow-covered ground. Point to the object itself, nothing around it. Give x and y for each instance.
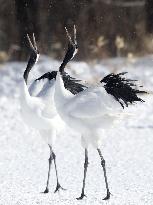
(128, 149)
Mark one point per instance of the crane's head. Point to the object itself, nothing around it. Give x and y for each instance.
(71, 50)
(33, 46)
(33, 56)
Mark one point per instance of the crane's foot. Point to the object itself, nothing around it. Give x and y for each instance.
(58, 187)
(81, 197)
(46, 191)
(108, 196)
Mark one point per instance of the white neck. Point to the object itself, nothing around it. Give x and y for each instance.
(24, 93)
(62, 95)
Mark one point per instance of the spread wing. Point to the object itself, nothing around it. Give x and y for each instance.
(43, 89)
(36, 87)
(47, 96)
(92, 103)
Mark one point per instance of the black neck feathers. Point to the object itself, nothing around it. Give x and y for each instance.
(68, 56)
(31, 62)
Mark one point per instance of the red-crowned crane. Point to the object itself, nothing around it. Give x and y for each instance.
(37, 102)
(95, 109)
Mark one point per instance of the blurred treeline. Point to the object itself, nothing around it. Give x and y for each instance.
(105, 28)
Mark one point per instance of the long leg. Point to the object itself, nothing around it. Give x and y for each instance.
(52, 157)
(85, 172)
(58, 186)
(105, 176)
(50, 162)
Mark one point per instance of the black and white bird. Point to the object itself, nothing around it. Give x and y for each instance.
(37, 102)
(94, 110)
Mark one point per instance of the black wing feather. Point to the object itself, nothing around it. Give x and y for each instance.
(70, 83)
(122, 89)
(49, 76)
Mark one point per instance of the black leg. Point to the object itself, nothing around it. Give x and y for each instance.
(50, 162)
(105, 176)
(58, 186)
(85, 172)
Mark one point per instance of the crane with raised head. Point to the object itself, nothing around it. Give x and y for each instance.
(95, 110)
(37, 101)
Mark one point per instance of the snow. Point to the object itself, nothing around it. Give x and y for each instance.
(127, 149)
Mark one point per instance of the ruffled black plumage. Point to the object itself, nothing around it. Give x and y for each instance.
(122, 89)
(49, 76)
(70, 83)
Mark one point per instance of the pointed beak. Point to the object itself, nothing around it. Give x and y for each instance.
(33, 46)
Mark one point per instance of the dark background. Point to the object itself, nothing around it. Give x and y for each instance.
(105, 28)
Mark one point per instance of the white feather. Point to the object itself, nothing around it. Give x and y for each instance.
(88, 111)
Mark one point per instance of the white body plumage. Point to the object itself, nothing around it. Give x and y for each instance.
(88, 111)
(39, 111)
(37, 102)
